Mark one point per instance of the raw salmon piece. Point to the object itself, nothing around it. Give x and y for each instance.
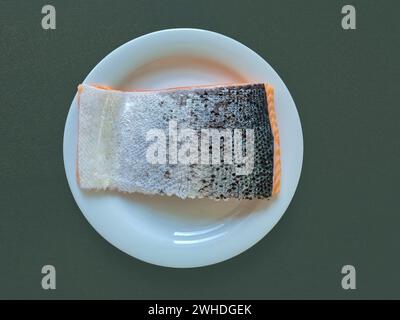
(118, 130)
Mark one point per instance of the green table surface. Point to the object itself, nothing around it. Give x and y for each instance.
(345, 211)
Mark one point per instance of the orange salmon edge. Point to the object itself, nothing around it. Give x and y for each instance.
(103, 87)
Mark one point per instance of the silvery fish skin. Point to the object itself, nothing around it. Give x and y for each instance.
(113, 141)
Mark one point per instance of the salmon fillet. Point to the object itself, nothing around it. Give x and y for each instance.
(217, 141)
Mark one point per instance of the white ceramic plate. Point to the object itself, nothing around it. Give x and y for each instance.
(168, 231)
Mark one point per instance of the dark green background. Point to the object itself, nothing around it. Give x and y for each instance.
(345, 211)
